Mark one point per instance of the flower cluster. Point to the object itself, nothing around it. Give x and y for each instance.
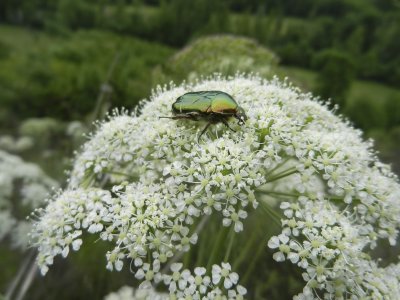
(147, 184)
(142, 293)
(15, 145)
(226, 54)
(328, 246)
(183, 284)
(23, 187)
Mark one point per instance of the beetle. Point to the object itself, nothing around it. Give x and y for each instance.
(212, 106)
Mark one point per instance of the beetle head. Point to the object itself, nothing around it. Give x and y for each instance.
(240, 115)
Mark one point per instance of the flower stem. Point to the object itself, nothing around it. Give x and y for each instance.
(267, 192)
(282, 174)
(244, 253)
(231, 238)
(122, 174)
(217, 245)
(276, 218)
(282, 163)
(252, 264)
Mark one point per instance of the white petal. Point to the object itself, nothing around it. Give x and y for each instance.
(175, 267)
(274, 242)
(278, 256)
(294, 257)
(76, 244)
(234, 277)
(227, 283)
(65, 251)
(216, 277)
(118, 265)
(284, 238)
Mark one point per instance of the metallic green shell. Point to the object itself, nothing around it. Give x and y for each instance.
(205, 102)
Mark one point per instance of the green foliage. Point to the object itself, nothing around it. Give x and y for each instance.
(335, 77)
(179, 20)
(392, 107)
(9, 263)
(375, 114)
(297, 32)
(221, 53)
(387, 143)
(62, 78)
(4, 51)
(367, 113)
(368, 104)
(76, 14)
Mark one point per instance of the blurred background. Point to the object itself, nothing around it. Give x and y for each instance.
(65, 63)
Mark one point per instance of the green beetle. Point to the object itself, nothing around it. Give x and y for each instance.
(211, 106)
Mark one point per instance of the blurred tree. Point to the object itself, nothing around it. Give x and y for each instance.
(76, 14)
(298, 32)
(180, 19)
(388, 48)
(61, 78)
(392, 107)
(336, 73)
(366, 113)
(355, 41)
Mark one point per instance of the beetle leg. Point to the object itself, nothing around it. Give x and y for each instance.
(166, 117)
(226, 124)
(176, 117)
(182, 116)
(204, 130)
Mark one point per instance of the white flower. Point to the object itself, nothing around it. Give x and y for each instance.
(232, 216)
(199, 286)
(224, 272)
(281, 243)
(23, 187)
(145, 183)
(175, 278)
(201, 281)
(114, 259)
(144, 292)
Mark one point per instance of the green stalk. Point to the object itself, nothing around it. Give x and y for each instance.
(202, 252)
(122, 174)
(231, 238)
(243, 254)
(253, 263)
(272, 213)
(267, 192)
(186, 259)
(216, 247)
(278, 166)
(283, 174)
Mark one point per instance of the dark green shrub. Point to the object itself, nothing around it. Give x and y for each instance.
(392, 106)
(62, 78)
(367, 113)
(226, 54)
(336, 73)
